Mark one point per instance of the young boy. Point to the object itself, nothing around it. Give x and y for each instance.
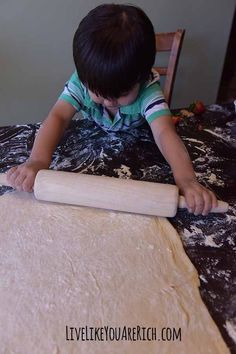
(114, 51)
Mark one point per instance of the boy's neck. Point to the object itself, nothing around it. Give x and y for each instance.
(112, 111)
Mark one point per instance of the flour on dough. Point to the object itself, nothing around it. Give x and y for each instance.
(71, 266)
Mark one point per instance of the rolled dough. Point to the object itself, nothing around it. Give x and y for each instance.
(71, 266)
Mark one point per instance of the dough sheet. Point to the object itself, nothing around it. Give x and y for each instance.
(71, 266)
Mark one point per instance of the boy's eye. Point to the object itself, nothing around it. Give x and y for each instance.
(124, 94)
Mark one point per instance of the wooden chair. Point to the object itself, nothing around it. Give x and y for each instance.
(169, 42)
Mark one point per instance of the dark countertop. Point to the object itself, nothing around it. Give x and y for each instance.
(210, 242)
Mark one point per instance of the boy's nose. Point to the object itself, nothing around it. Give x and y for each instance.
(110, 102)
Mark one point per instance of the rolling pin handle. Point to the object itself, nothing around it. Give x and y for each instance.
(221, 208)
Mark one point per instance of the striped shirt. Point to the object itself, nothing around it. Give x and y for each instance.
(149, 105)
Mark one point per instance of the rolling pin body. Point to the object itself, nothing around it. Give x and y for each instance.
(106, 193)
(109, 193)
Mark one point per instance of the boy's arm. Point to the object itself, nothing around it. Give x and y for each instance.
(199, 199)
(22, 177)
(51, 131)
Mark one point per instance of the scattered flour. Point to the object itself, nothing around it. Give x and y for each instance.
(196, 230)
(213, 180)
(218, 108)
(104, 155)
(223, 136)
(231, 329)
(230, 218)
(224, 273)
(198, 148)
(209, 241)
(123, 172)
(203, 278)
(193, 140)
(150, 171)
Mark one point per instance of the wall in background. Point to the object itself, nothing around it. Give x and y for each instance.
(36, 50)
(227, 89)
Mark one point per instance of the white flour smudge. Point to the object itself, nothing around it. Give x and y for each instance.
(224, 273)
(104, 155)
(195, 230)
(218, 108)
(209, 241)
(212, 179)
(223, 135)
(231, 329)
(203, 278)
(123, 172)
(193, 140)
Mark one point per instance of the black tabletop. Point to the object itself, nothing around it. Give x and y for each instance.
(210, 138)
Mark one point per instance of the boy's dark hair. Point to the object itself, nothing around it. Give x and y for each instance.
(113, 49)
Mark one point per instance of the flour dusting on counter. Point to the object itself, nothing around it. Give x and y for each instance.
(210, 241)
(231, 329)
(123, 172)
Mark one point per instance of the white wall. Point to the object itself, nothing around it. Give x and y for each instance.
(36, 50)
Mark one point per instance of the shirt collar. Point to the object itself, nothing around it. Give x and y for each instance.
(132, 108)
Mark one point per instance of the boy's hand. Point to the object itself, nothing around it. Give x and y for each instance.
(199, 199)
(22, 177)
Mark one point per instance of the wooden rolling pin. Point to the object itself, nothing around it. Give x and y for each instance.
(109, 193)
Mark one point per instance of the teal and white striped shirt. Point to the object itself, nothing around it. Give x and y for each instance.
(149, 104)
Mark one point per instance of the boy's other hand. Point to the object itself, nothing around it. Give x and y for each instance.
(199, 199)
(22, 177)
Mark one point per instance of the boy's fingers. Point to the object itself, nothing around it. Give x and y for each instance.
(12, 169)
(21, 178)
(207, 203)
(201, 201)
(199, 204)
(27, 185)
(13, 177)
(10, 172)
(210, 202)
(214, 200)
(190, 203)
(19, 181)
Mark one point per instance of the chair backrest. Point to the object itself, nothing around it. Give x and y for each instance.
(169, 42)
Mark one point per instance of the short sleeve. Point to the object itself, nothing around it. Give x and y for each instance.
(153, 103)
(73, 92)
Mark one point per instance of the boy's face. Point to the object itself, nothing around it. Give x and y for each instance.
(114, 103)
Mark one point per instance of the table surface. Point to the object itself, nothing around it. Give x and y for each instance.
(210, 138)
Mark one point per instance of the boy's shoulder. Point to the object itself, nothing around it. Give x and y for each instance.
(75, 84)
(74, 79)
(151, 86)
